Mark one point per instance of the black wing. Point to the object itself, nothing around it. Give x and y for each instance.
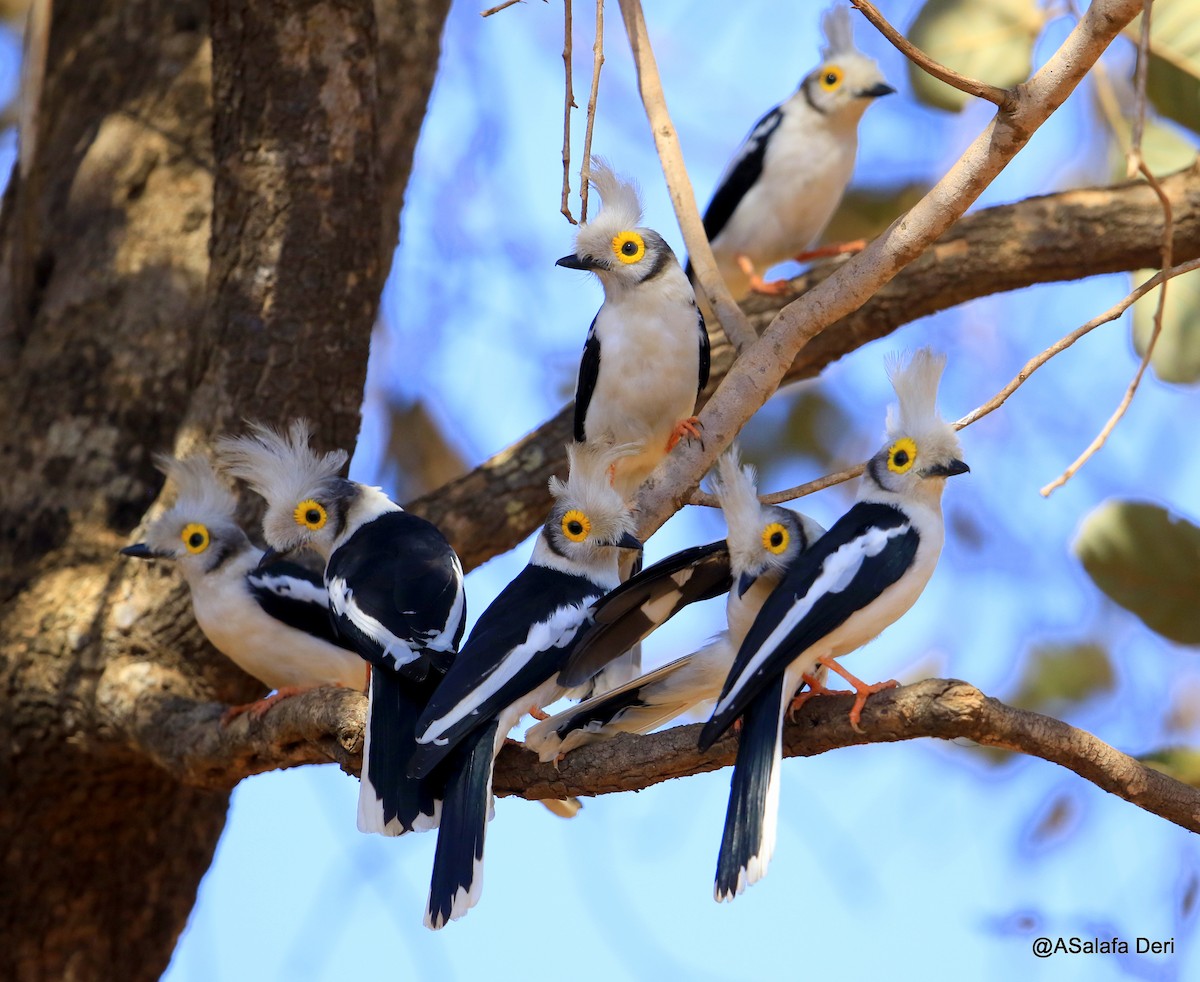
(643, 603)
(705, 352)
(870, 577)
(295, 596)
(742, 173)
(589, 371)
(399, 571)
(498, 665)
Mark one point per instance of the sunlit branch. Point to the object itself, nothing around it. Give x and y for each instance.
(585, 168)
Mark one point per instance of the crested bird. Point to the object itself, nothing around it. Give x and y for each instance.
(510, 661)
(761, 544)
(396, 592)
(272, 621)
(857, 579)
(785, 181)
(646, 357)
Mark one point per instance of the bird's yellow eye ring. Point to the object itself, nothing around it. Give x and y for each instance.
(195, 538)
(901, 455)
(775, 538)
(628, 247)
(575, 525)
(311, 515)
(830, 78)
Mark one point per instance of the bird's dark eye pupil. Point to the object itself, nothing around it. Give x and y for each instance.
(831, 78)
(312, 516)
(777, 539)
(901, 458)
(629, 248)
(195, 540)
(575, 528)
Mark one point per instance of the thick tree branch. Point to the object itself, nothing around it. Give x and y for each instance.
(1069, 235)
(327, 725)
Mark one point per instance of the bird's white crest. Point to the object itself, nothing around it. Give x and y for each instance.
(916, 384)
(588, 486)
(736, 488)
(201, 496)
(838, 30)
(621, 209)
(279, 466)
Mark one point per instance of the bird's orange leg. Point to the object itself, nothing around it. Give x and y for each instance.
(836, 249)
(259, 708)
(536, 713)
(778, 288)
(861, 689)
(815, 688)
(689, 427)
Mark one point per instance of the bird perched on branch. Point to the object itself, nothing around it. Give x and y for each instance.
(396, 592)
(272, 621)
(784, 183)
(858, 578)
(647, 356)
(510, 662)
(762, 543)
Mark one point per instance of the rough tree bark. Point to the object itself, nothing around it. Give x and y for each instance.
(120, 339)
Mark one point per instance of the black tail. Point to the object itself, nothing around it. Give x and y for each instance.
(458, 862)
(749, 836)
(389, 801)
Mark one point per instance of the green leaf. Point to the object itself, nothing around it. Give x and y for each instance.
(1058, 673)
(1181, 763)
(1173, 76)
(1164, 148)
(989, 40)
(1176, 355)
(1148, 561)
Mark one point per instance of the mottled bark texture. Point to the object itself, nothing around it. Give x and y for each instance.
(119, 338)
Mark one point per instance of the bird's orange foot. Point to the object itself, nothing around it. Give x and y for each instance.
(777, 288)
(837, 249)
(689, 427)
(259, 708)
(861, 689)
(536, 713)
(815, 688)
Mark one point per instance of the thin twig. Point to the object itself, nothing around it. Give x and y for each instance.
(1138, 163)
(1156, 329)
(699, 497)
(1002, 98)
(499, 7)
(1133, 159)
(585, 169)
(568, 105)
(666, 140)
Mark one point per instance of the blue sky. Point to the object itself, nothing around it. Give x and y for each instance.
(920, 860)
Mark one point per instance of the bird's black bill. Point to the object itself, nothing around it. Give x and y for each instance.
(577, 262)
(877, 90)
(628, 541)
(948, 470)
(268, 557)
(745, 582)
(139, 550)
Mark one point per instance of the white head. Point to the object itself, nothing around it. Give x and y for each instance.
(589, 521)
(922, 449)
(846, 81)
(761, 538)
(613, 245)
(198, 531)
(307, 500)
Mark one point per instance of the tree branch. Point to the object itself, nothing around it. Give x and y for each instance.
(326, 724)
(1068, 235)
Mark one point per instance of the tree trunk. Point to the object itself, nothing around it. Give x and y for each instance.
(117, 340)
